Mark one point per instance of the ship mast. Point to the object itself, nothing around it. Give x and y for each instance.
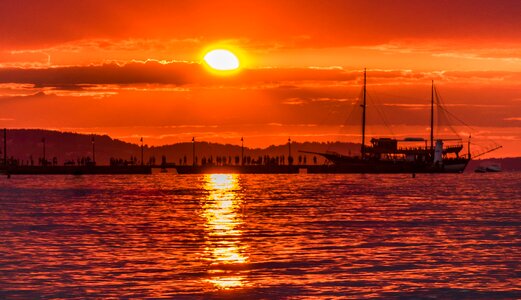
(432, 119)
(362, 150)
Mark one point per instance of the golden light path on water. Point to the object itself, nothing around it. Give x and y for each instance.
(224, 249)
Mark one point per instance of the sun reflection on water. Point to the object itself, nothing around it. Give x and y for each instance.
(224, 250)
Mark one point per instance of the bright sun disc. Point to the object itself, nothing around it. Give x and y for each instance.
(222, 60)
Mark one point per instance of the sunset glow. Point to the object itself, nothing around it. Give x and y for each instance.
(260, 149)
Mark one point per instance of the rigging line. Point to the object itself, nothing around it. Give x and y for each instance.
(443, 120)
(332, 110)
(483, 145)
(443, 112)
(345, 125)
(438, 118)
(448, 112)
(442, 107)
(355, 106)
(456, 118)
(380, 112)
(326, 117)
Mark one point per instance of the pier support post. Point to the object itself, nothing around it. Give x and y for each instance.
(242, 151)
(290, 159)
(193, 151)
(44, 160)
(93, 151)
(5, 147)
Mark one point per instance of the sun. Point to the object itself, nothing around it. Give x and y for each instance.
(222, 60)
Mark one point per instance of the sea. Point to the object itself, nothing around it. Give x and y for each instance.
(229, 236)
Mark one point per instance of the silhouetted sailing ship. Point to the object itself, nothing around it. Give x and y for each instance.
(388, 155)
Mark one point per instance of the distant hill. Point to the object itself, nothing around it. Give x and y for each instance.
(24, 144)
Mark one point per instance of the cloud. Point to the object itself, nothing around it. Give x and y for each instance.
(517, 119)
(155, 72)
(486, 75)
(185, 74)
(300, 101)
(294, 101)
(408, 106)
(330, 99)
(97, 51)
(131, 73)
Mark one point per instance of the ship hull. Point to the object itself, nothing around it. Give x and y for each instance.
(345, 164)
(396, 168)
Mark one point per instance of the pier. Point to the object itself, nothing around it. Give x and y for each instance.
(75, 170)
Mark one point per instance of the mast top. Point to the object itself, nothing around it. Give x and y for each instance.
(362, 147)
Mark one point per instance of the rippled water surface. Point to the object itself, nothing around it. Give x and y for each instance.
(261, 236)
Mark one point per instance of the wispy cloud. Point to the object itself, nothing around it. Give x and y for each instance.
(330, 99)
(408, 105)
(294, 101)
(518, 119)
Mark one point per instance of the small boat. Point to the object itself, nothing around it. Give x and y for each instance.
(480, 169)
(494, 168)
(490, 168)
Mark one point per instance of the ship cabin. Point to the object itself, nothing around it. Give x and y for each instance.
(415, 149)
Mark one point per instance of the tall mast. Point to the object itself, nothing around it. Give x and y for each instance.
(432, 117)
(468, 147)
(362, 150)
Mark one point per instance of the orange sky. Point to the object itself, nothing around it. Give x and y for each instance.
(133, 68)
